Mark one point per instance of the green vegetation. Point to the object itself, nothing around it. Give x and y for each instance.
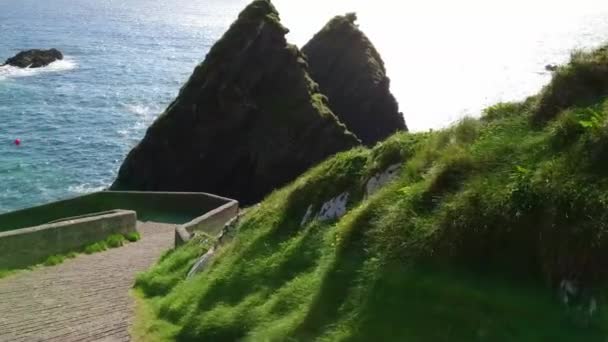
(96, 247)
(58, 259)
(6, 273)
(172, 268)
(112, 241)
(116, 240)
(54, 260)
(580, 83)
(147, 328)
(133, 237)
(485, 223)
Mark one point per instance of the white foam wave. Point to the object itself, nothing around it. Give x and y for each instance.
(65, 64)
(84, 188)
(140, 110)
(144, 117)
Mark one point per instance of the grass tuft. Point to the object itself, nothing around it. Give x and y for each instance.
(96, 247)
(114, 241)
(502, 110)
(582, 82)
(133, 236)
(54, 260)
(171, 269)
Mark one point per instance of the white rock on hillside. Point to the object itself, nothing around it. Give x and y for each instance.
(201, 263)
(332, 209)
(380, 179)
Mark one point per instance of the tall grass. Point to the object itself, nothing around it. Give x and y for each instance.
(582, 82)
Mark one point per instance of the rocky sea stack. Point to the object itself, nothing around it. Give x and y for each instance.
(34, 58)
(249, 119)
(351, 73)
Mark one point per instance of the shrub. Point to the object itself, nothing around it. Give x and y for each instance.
(115, 240)
(580, 83)
(426, 154)
(71, 255)
(502, 110)
(466, 130)
(96, 247)
(395, 150)
(596, 147)
(566, 130)
(455, 165)
(133, 236)
(54, 260)
(586, 130)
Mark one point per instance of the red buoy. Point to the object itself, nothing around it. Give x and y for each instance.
(17, 142)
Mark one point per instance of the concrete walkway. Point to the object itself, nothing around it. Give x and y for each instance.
(83, 299)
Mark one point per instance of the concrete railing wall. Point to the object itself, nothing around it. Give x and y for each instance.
(47, 223)
(211, 223)
(29, 246)
(169, 207)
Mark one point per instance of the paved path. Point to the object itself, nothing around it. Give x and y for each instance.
(83, 299)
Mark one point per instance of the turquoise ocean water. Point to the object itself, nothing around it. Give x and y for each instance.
(77, 119)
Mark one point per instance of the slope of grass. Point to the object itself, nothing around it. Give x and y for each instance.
(486, 224)
(172, 268)
(147, 328)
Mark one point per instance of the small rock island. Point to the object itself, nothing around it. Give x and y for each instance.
(34, 58)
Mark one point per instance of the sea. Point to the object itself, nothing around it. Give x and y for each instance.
(127, 59)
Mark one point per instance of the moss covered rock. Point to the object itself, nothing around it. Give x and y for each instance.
(249, 119)
(351, 73)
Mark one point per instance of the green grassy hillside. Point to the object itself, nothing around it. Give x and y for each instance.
(495, 229)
